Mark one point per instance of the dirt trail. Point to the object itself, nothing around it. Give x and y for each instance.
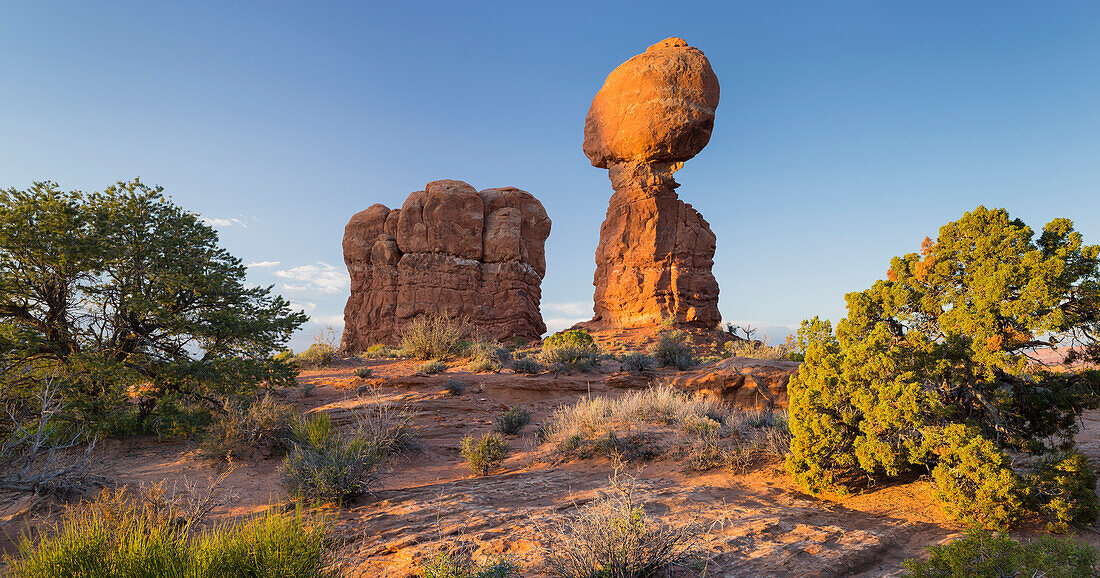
(758, 524)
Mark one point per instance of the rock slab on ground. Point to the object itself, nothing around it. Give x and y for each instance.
(450, 249)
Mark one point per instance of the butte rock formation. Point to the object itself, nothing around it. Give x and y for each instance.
(654, 260)
(448, 250)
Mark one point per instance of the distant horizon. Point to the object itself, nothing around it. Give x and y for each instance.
(846, 133)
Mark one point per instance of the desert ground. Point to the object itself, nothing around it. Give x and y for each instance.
(753, 524)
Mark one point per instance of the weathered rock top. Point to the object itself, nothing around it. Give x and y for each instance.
(656, 107)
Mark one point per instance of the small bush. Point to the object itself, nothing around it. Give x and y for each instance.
(613, 536)
(122, 534)
(455, 387)
(487, 356)
(672, 349)
(983, 554)
(456, 564)
(363, 372)
(433, 337)
(317, 355)
(638, 363)
(324, 465)
(431, 367)
(485, 453)
(513, 420)
(263, 425)
(569, 350)
(578, 338)
(527, 365)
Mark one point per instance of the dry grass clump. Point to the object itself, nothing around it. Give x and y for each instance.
(613, 537)
(486, 356)
(327, 465)
(455, 387)
(434, 337)
(638, 362)
(363, 372)
(786, 351)
(650, 423)
(261, 425)
(527, 365)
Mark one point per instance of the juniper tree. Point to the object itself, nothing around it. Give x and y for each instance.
(935, 368)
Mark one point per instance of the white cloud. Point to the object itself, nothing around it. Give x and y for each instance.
(556, 324)
(319, 277)
(571, 309)
(261, 264)
(214, 222)
(333, 320)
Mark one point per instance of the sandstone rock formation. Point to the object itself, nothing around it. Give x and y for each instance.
(654, 259)
(448, 250)
(741, 382)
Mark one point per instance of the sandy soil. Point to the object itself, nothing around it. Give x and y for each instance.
(758, 524)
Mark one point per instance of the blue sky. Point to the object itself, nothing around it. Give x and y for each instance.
(846, 132)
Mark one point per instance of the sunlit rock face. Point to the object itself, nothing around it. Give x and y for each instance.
(449, 249)
(655, 255)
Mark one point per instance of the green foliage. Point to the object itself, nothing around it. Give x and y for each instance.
(930, 369)
(457, 564)
(569, 350)
(1063, 488)
(433, 337)
(431, 367)
(673, 349)
(984, 555)
(123, 535)
(121, 291)
(363, 372)
(485, 453)
(513, 421)
(487, 356)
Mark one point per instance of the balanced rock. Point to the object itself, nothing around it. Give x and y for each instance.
(656, 252)
(448, 250)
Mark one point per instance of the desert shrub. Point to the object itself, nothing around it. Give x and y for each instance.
(126, 534)
(454, 563)
(317, 355)
(431, 367)
(1062, 488)
(513, 421)
(526, 365)
(673, 349)
(363, 372)
(326, 465)
(982, 554)
(485, 453)
(433, 337)
(569, 350)
(126, 299)
(943, 343)
(741, 441)
(264, 424)
(612, 536)
(487, 356)
(786, 351)
(455, 387)
(638, 362)
(285, 356)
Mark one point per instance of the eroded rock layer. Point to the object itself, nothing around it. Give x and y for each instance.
(656, 252)
(449, 250)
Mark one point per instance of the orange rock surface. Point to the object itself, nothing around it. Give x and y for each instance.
(655, 255)
(448, 250)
